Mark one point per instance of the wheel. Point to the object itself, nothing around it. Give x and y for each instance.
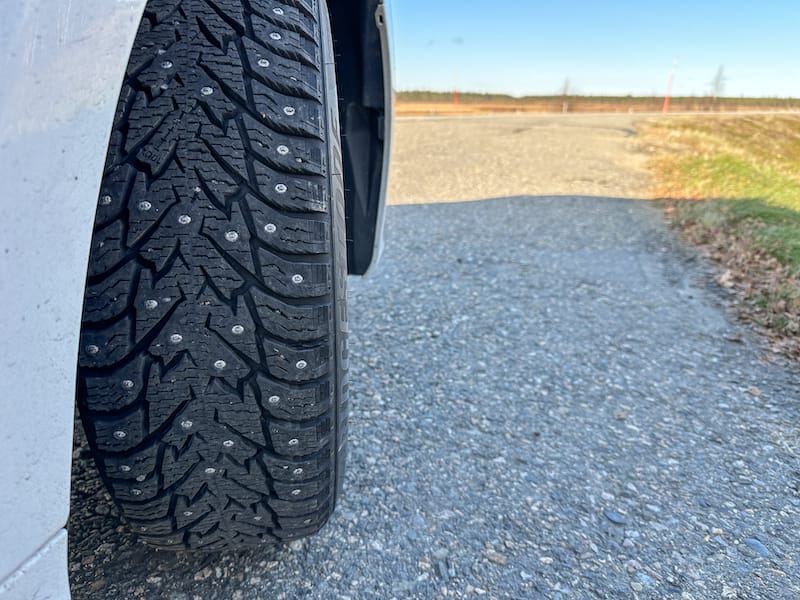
(212, 366)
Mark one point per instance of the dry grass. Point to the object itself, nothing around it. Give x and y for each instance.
(739, 181)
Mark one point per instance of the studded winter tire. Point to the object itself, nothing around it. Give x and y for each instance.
(212, 366)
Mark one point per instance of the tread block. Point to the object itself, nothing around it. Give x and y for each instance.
(284, 152)
(230, 236)
(293, 469)
(300, 439)
(302, 196)
(287, 113)
(300, 490)
(108, 248)
(293, 279)
(288, 234)
(243, 417)
(291, 364)
(294, 508)
(104, 347)
(108, 394)
(115, 434)
(288, 321)
(288, 44)
(280, 73)
(293, 403)
(288, 16)
(142, 462)
(109, 298)
(155, 509)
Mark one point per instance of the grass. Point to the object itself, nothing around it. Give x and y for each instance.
(749, 169)
(739, 181)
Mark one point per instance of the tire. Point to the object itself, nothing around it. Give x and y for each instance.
(212, 367)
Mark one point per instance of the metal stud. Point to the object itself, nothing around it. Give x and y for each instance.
(127, 384)
(120, 435)
(105, 200)
(187, 513)
(277, 10)
(283, 150)
(270, 228)
(176, 338)
(210, 470)
(187, 424)
(167, 64)
(220, 364)
(237, 330)
(125, 468)
(301, 364)
(141, 478)
(297, 278)
(281, 188)
(275, 36)
(144, 205)
(289, 110)
(231, 236)
(91, 349)
(296, 492)
(274, 399)
(136, 492)
(151, 304)
(263, 62)
(257, 518)
(206, 90)
(184, 219)
(298, 471)
(294, 442)
(228, 443)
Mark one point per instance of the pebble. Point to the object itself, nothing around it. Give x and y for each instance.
(495, 557)
(757, 546)
(615, 517)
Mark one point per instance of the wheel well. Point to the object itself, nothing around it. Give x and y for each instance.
(362, 107)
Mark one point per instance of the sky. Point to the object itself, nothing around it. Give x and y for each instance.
(614, 47)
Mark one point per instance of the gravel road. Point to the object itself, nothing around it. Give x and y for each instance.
(548, 401)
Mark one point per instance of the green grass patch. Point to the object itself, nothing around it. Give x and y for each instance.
(745, 168)
(773, 229)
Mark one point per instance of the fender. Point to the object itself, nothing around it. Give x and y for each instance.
(363, 71)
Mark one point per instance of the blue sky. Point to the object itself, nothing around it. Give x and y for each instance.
(602, 47)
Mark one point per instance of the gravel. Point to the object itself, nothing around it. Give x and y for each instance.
(471, 158)
(547, 400)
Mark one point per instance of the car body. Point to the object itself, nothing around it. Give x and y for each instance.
(62, 65)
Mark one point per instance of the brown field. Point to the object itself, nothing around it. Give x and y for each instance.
(421, 108)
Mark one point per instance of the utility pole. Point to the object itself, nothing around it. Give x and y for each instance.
(669, 85)
(717, 86)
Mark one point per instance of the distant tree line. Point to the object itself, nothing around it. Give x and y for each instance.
(576, 102)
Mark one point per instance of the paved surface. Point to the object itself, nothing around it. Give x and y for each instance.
(546, 402)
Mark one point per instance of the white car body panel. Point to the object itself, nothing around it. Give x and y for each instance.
(61, 65)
